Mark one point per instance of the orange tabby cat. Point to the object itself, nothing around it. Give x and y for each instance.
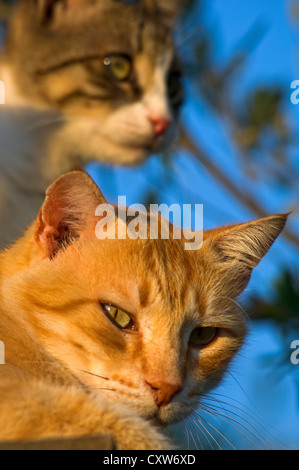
(117, 336)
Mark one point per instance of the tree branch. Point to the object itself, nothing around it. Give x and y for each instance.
(246, 199)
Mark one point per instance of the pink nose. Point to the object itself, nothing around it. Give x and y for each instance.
(160, 123)
(163, 392)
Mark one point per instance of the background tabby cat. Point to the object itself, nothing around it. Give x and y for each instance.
(85, 80)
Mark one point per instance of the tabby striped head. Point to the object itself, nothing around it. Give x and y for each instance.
(107, 68)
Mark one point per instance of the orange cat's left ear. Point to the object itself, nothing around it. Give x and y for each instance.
(238, 249)
(68, 212)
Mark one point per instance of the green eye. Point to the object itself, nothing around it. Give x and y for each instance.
(201, 337)
(119, 66)
(119, 317)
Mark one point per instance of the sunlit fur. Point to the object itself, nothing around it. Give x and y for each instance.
(69, 370)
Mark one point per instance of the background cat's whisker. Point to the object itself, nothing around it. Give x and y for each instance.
(44, 123)
(64, 119)
(183, 39)
(182, 28)
(37, 125)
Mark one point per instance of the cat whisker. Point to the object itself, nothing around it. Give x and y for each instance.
(202, 432)
(187, 436)
(184, 40)
(58, 120)
(195, 440)
(244, 428)
(223, 414)
(244, 409)
(254, 419)
(221, 435)
(198, 444)
(185, 31)
(44, 123)
(59, 365)
(93, 374)
(62, 119)
(215, 430)
(103, 388)
(246, 315)
(41, 362)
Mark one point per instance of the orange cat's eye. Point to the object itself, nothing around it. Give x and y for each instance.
(202, 337)
(120, 318)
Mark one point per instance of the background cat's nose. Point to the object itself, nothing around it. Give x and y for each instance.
(160, 123)
(163, 392)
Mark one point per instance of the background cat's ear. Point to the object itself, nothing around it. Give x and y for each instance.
(170, 9)
(238, 249)
(46, 9)
(68, 211)
(49, 10)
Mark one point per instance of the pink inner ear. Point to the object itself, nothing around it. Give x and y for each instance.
(47, 237)
(68, 211)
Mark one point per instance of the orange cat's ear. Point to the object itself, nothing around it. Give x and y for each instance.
(68, 211)
(241, 247)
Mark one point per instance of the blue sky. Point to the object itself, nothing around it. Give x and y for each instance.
(274, 59)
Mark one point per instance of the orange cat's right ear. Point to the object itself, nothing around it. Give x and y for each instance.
(68, 212)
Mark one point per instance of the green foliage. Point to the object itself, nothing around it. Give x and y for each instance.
(283, 309)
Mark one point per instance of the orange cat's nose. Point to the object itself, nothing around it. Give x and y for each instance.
(163, 392)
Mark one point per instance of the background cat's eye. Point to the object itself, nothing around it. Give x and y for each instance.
(119, 66)
(121, 319)
(202, 337)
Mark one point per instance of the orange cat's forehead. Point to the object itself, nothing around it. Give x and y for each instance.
(141, 273)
